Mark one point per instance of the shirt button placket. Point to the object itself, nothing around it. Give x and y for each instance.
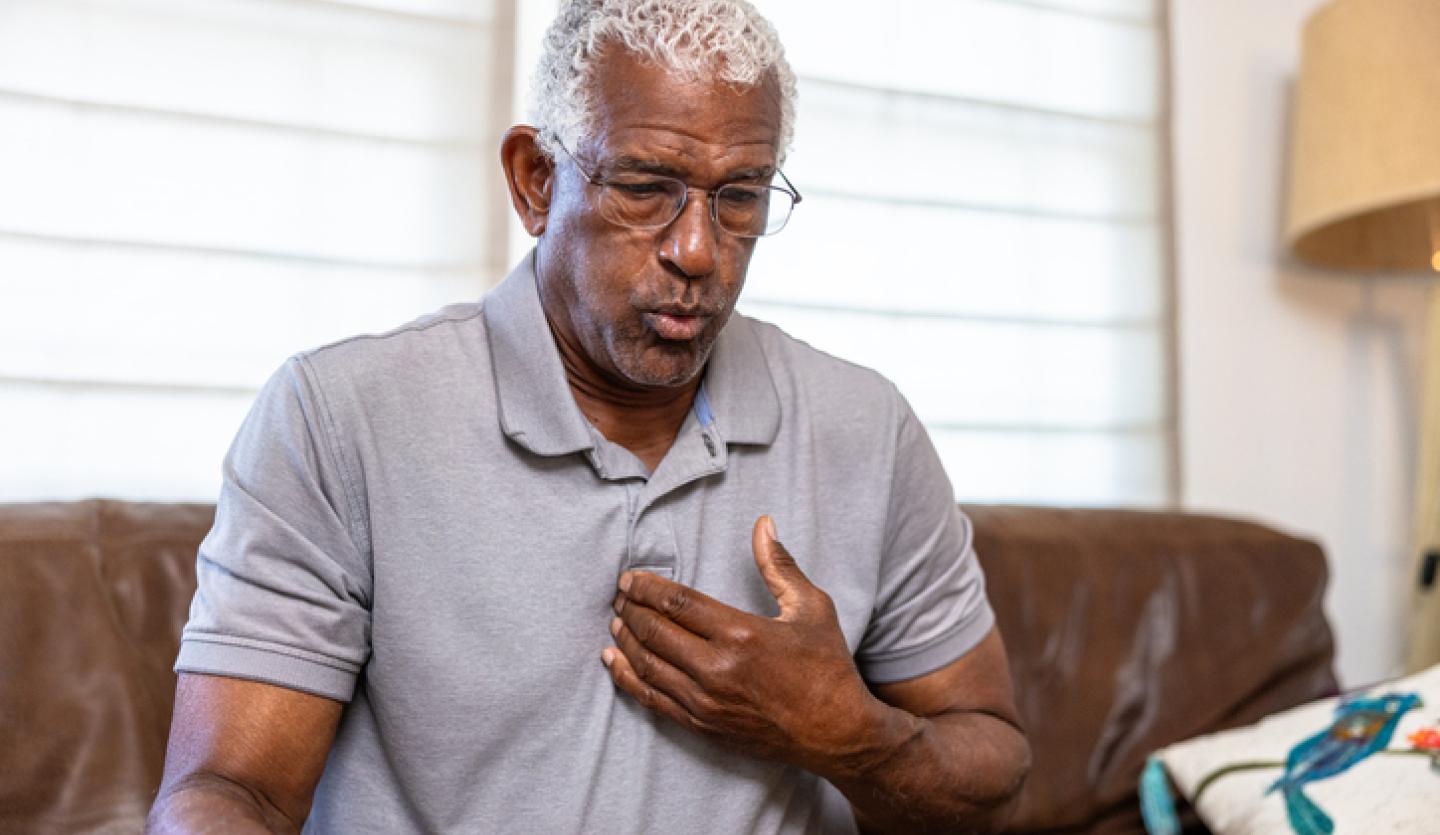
(651, 545)
(632, 497)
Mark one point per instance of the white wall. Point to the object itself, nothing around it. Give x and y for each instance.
(1296, 386)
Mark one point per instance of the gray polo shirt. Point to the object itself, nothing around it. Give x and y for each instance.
(424, 525)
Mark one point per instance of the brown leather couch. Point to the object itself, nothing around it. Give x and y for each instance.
(1126, 631)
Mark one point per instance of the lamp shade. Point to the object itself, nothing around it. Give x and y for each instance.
(1365, 156)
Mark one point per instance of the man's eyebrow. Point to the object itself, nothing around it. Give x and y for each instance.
(628, 164)
(760, 173)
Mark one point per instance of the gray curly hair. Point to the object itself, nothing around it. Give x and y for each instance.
(696, 39)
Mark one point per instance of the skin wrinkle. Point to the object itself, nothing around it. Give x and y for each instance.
(267, 812)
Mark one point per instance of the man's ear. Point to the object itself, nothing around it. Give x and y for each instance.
(530, 174)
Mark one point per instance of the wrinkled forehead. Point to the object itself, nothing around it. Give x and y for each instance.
(632, 97)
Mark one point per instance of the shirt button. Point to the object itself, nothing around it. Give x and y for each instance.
(709, 445)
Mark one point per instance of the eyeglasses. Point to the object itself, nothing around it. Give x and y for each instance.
(642, 201)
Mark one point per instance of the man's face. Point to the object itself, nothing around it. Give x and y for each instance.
(645, 305)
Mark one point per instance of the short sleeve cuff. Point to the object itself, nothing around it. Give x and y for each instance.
(257, 661)
(930, 657)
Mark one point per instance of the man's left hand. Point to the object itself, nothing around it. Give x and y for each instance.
(783, 688)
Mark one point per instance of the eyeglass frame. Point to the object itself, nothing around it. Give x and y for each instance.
(789, 189)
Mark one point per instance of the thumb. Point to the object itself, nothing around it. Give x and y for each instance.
(781, 574)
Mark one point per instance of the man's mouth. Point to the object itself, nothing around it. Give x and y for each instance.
(676, 326)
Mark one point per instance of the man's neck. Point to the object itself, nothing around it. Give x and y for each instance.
(643, 420)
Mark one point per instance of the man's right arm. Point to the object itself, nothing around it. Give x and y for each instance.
(243, 757)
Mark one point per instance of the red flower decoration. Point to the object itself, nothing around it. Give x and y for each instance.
(1426, 739)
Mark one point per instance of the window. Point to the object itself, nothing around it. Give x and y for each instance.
(984, 222)
(190, 192)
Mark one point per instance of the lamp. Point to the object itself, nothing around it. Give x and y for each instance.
(1365, 195)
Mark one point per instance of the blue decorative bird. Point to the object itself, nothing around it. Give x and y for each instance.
(1362, 727)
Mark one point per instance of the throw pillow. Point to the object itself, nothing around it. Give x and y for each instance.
(1367, 762)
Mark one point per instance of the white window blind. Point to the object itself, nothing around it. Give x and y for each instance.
(984, 223)
(192, 191)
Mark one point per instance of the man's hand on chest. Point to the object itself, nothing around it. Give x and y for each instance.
(783, 688)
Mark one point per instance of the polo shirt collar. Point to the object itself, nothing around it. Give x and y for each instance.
(538, 411)
(739, 386)
(536, 407)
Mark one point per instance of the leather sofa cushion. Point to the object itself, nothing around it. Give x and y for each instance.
(1129, 630)
(94, 596)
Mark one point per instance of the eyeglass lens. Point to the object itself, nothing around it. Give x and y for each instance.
(749, 211)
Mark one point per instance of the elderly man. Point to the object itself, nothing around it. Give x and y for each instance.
(515, 566)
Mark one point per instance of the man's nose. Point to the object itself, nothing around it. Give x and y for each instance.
(689, 243)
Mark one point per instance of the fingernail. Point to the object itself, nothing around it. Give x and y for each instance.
(618, 604)
(614, 626)
(625, 581)
(770, 529)
(607, 657)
